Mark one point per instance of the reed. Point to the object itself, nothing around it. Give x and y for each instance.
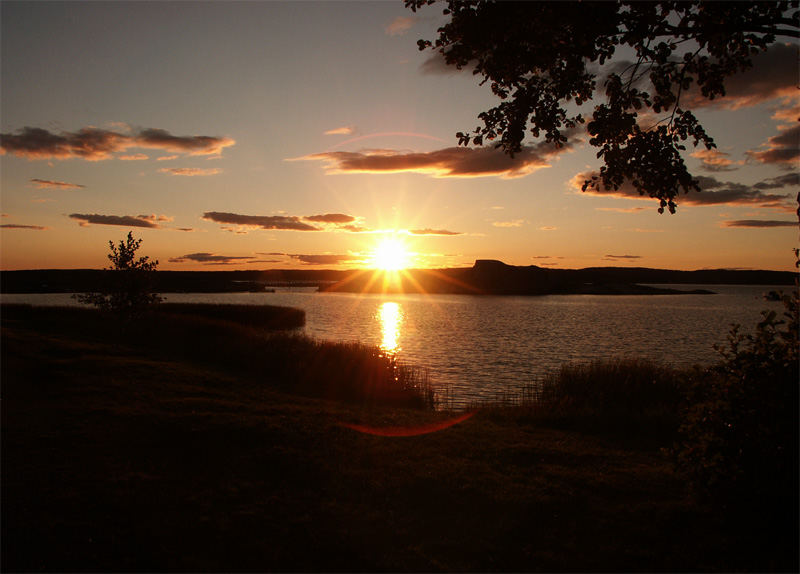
(630, 397)
(250, 342)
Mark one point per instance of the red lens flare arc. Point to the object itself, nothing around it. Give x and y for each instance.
(404, 431)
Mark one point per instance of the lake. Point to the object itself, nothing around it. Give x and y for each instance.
(482, 347)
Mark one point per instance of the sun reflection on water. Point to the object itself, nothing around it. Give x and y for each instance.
(390, 315)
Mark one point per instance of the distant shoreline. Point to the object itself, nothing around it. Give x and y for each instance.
(485, 277)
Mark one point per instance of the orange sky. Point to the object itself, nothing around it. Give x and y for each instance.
(281, 135)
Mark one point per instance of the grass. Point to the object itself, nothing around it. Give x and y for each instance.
(124, 454)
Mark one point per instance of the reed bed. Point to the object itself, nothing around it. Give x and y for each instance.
(250, 342)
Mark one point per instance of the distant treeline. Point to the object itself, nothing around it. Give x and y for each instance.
(486, 276)
(84, 280)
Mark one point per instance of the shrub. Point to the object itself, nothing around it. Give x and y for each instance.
(738, 443)
(128, 288)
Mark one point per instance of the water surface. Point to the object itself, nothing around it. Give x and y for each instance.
(480, 347)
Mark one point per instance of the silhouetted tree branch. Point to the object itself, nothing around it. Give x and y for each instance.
(539, 57)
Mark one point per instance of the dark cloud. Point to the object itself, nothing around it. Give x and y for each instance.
(773, 76)
(788, 180)
(210, 259)
(17, 226)
(322, 222)
(123, 220)
(323, 259)
(428, 231)
(714, 192)
(289, 222)
(52, 184)
(193, 145)
(782, 149)
(756, 223)
(618, 257)
(331, 218)
(435, 65)
(448, 162)
(190, 171)
(184, 229)
(96, 144)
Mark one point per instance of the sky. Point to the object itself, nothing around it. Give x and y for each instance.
(257, 135)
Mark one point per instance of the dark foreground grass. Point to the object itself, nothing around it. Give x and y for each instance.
(119, 458)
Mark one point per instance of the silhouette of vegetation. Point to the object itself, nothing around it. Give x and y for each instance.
(738, 446)
(541, 57)
(634, 399)
(740, 431)
(128, 288)
(248, 342)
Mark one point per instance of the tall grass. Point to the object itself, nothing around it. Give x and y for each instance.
(636, 397)
(248, 341)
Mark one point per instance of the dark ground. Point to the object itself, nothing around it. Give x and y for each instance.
(116, 461)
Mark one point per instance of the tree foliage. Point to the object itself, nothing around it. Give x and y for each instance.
(739, 437)
(128, 289)
(540, 58)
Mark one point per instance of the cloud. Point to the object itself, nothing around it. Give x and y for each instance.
(190, 171)
(193, 145)
(134, 157)
(513, 223)
(429, 231)
(209, 259)
(94, 144)
(400, 25)
(782, 149)
(449, 162)
(17, 226)
(52, 184)
(620, 257)
(436, 65)
(288, 222)
(714, 160)
(788, 180)
(756, 223)
(185, 229)
(341, 131)
(773, 76)
(323, 259)
(322, 222)
(167, 157)
(714, 192)
(548, 228)
(149, 221)
(331, 218)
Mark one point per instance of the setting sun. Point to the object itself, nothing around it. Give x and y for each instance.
(390, 255)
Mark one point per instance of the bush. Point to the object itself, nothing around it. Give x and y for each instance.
(128, 282)
(738, 443)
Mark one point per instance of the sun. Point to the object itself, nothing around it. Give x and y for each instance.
(390, 255)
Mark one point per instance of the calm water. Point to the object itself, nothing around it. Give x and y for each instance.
(481, 347)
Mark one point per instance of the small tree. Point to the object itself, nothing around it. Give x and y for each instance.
(128, 289)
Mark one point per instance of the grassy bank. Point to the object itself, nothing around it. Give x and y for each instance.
(131, 449)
